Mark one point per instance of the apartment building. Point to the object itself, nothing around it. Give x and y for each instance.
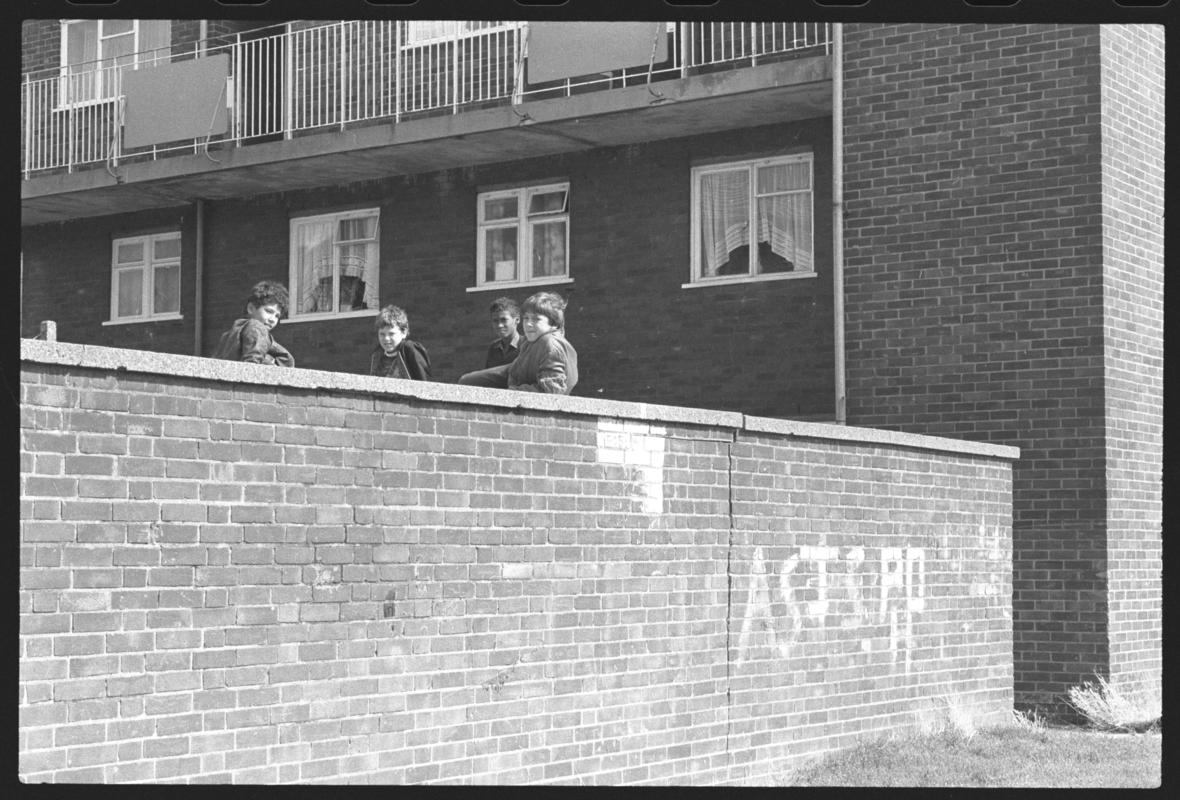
(946, 229)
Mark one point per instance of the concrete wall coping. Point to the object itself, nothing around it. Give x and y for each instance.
(147, 362)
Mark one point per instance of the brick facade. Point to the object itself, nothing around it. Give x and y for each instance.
(346, 579)
(763, 348)
(978, 241)
(1133, 275)
(1003, 283)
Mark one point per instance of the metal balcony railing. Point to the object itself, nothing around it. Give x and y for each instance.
(348, 73)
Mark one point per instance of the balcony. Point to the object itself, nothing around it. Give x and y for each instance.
(386, 85)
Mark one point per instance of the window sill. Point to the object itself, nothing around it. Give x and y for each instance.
(495, 287)
(365, 312)
(139, 320)
(729, 281)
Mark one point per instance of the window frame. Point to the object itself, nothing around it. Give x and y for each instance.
(413, 33)
(63, 101)
(147, 267)
(335, 217)
(751, 166)
(524, 241)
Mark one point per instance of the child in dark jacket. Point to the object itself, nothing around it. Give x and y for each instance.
(249, 339)
(398, 356)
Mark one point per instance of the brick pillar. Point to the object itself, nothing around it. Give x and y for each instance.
(1132, 193)
(993, 236)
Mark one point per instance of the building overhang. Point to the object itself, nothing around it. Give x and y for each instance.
(759, 95)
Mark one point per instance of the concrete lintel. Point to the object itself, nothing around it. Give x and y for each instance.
(181, 366)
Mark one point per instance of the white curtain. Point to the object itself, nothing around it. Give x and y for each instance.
(313, 262)
(784, 220)
(725, 217)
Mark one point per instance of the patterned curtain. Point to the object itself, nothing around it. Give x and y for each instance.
(784, 220)
(725, 217)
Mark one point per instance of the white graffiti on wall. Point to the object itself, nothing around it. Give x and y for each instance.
(883, 586)
(818, 586)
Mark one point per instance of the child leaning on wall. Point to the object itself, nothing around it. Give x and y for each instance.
(546, 363)
(396, 355)
(249, 339)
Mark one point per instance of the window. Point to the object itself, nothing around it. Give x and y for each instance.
(96, 52)
(334, 263)
(770, 197)
(523, 236)
(145, 278)
(420, 32)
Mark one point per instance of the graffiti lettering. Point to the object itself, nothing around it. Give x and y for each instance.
(858, 589)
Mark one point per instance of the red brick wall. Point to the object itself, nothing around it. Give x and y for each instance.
(1133, 191)
(974, 290)
(761, 348)
(340, 578)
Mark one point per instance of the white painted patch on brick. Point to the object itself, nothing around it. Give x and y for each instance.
(639, 448)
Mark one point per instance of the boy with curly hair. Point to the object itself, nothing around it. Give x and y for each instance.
(249, 339)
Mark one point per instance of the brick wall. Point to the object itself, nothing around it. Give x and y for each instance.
(337, 578)
(40, 44)
(974, 291)
(760, 348)
(1133, 191)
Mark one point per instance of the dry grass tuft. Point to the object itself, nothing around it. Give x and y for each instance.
(1131, 707)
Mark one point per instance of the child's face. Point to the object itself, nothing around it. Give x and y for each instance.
(390, 337)
(504, 324)
(536, 325)
(268, 314)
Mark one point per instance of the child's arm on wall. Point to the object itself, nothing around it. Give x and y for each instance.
(281, 355)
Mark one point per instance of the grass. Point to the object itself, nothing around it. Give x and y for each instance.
(1026, 753)
(1132, 707)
